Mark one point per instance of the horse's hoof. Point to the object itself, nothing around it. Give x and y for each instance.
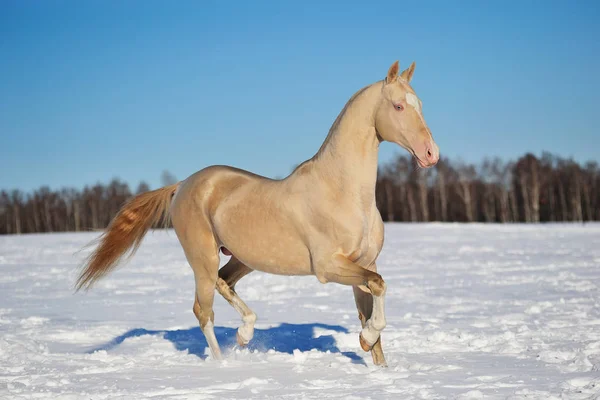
(380, 363)
(240, 340)
(363, 343)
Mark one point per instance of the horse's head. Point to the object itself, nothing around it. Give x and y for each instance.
(399, 117)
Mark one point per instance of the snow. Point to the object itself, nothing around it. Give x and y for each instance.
(473, 311)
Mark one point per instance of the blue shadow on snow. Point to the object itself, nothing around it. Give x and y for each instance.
(284, 338)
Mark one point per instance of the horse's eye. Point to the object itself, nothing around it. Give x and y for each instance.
(398, 107)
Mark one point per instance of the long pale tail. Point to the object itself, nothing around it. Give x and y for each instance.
(125, 233)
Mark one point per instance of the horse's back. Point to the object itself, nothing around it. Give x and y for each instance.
(213, 184)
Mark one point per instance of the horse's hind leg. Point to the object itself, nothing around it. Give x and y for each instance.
(202, 253)
(205, 274)
(232, 272)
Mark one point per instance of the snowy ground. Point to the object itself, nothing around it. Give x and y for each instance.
(473, 311)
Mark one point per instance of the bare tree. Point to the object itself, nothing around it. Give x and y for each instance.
(17, 204)
(142, 187)
(386, 180)
(442, 172)
(487, 176)
(167, 178)
(422, 177)
(575, 189)
(502, 174)
(466, 177)
(403, 168)
(5, 214)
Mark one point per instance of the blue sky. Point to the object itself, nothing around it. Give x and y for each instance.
(95, 90)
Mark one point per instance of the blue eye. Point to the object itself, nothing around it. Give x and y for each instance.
(398, 107)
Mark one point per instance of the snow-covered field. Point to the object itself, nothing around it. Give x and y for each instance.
(473, 311)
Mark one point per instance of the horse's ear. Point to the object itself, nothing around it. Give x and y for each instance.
(408, 72)
(392, 73)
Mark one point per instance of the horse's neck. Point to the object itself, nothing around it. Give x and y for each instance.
(348, 157)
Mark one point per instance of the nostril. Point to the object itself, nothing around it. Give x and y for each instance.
(429, 155)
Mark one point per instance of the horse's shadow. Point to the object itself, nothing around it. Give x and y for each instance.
(284, 338)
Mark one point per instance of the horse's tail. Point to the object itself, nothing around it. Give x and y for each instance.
(125, 233)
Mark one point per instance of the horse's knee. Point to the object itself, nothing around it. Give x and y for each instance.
(376, 285)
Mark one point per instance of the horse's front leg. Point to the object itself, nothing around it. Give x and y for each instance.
(346, 272)
(364, 304)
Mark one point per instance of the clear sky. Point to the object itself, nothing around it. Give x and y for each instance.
(94, 90)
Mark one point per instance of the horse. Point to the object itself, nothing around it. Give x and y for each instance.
(321, 220)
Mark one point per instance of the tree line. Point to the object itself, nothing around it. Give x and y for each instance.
(67, 209)
(532, 189)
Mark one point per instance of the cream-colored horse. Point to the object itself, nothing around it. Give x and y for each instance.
(321, 220)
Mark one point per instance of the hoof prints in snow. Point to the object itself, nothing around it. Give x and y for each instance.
(473, 311)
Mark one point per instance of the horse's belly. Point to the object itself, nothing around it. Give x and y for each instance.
(258, 231)
(281, 268)
(277, 259)
(267, 247)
